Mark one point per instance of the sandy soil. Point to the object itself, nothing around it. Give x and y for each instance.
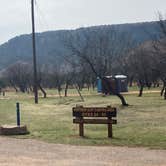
(27, 152)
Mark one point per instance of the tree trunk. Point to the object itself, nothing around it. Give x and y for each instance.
(158, 84)
(43, 91)
(93, 86)
(165, 93)
(162, 90)
(31, 89)
(79, 93)
(123, 101)
(88, 86)
(59, 91)
(15, 88)
(66, 89)
(141, 90)
(79, 87)
(131, 81)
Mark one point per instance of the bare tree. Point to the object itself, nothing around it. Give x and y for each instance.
(141, 62)
(19, 76)
(97, 50)
(3, 85)
(160, 50)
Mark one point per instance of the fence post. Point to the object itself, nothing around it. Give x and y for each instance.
(18, 113)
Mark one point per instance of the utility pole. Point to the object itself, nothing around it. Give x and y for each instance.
(35, 87)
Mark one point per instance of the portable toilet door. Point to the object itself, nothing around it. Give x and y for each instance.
(99, 85)
(109, 85)
(122, 83)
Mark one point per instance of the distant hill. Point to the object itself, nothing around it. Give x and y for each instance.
(50, 47)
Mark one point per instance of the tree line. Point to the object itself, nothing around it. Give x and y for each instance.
(93, 54)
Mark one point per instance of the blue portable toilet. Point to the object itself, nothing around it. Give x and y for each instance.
(122, 83)
(118, 83)
(99, 85)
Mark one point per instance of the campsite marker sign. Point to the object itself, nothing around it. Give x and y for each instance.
(94, 115)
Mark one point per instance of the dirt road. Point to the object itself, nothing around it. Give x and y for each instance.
(20, 152)
(26, 152)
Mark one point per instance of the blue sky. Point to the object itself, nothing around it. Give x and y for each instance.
(15, 15)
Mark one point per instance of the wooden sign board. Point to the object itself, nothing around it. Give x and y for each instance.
(97, 109)
(94, 112)
(100, 115)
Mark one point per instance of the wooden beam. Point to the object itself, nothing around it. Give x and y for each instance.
(95, 121)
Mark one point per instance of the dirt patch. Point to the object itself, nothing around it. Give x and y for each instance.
(26, 152)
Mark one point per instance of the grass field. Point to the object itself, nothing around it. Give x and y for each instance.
(143, 123)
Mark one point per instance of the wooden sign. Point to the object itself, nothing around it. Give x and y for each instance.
(94, 112)
(94, 115)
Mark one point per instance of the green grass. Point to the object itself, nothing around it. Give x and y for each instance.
(143, 123)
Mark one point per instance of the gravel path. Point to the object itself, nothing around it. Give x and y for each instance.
(26, 152)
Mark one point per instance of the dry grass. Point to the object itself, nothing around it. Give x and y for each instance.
(141, 124)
